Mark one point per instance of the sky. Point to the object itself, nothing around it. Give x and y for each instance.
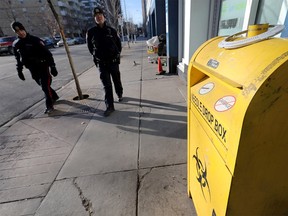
(133, 10)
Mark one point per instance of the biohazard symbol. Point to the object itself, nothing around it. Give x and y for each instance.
(202, 176)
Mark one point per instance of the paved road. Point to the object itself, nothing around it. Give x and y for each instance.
(17, 96)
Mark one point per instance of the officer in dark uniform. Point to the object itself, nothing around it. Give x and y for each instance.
(105, 46)
(30, 51)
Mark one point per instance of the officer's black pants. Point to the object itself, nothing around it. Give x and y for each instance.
(106, 72)
(40, 73)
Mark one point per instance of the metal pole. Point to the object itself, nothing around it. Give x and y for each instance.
(128, 35)
(120, 21)
(122, 33)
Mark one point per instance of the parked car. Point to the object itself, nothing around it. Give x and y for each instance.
(49, 43)
(57, 38)
(6, 44)
(79, 40)
(69, 41)
(60, 43)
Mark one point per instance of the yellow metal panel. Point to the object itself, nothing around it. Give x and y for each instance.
(260, 171)
(210, 179)
(237, 134)
(240, 65)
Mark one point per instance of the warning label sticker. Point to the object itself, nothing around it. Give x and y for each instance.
(206, 88)
(225, 103)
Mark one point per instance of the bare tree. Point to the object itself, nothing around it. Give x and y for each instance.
(37, 18)
(80, 95)
(113, 10)
(8, 9)
(131, 26)
(49, 20)
(8, 14)
(1, 32)
(42, 19)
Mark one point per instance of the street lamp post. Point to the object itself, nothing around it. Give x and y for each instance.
(120, 21)
(127, 28)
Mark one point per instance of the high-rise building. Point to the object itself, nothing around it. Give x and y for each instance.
(36, 15)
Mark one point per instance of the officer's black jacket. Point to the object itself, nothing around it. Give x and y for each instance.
(31, 50)
(103, 43)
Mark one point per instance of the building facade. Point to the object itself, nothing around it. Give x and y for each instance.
(75, 16)
(189, 23)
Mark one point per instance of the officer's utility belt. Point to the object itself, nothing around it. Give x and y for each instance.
(35, 61)
(112, 61)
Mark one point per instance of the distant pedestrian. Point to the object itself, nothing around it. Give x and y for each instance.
(105, 46)
(30, 51)
(135, 38)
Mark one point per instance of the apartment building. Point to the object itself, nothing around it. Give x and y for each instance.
(36, 15)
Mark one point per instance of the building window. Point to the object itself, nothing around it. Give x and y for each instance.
(269, 11)
(273, 12)
(232, 16)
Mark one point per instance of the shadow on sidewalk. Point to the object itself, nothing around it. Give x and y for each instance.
(154, 104)
(151, 117)
(67, 107)
(161, 125)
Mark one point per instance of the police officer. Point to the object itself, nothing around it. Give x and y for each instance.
(30, 51)
(105, 46)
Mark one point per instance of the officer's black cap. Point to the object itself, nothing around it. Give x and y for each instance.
(97, 10)
(17, 26)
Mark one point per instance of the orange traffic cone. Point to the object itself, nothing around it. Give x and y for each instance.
(160, 69)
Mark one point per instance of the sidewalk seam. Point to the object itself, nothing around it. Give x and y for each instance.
(139, 135)
(86, 203)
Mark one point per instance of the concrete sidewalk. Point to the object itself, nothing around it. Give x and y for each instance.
(76, 162)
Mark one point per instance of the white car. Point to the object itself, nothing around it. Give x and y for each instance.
(60, 43)
(69, 42)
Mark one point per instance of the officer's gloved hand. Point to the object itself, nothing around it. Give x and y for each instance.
(118, 59)
(20, 74)
(53, 71)
(96, 60)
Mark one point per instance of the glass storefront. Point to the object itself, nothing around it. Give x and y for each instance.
(273, 12)
(269, 11)
(234, 12)
(231, 17)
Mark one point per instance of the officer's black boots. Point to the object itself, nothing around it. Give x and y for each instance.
(108, 111)
(49, 110)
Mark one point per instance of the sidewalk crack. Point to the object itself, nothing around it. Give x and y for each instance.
(142, 178)
(87, 204)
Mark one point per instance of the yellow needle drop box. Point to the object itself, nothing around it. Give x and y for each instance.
(238, 129)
